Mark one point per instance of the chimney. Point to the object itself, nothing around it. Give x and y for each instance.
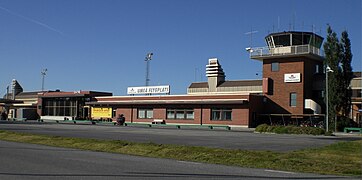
(215, 74)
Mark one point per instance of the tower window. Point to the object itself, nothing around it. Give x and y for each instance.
(293, 99)
(316, 68)
(275, 66)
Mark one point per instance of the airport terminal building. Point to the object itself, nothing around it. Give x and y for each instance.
(214, 102)
(291, 91)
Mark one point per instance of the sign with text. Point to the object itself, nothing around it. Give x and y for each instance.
(101, 112)
(149, 90)
(292, 77)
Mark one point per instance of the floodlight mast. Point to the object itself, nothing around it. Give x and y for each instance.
(148, 59)
(43, 73)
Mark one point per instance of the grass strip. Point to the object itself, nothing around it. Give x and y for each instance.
(343, 158)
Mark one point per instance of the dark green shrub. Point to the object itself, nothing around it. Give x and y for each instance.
(270, 128)
(261, 128)
(343, 122)
(295, 130)
(281, 130)
(290, 130)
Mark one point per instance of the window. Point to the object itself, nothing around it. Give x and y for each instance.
(275, 66)
(356, 93)
(293, 99)
(145, 113)
(221, 114)
(180, 114)
(113, 113)
(59, 107)
(270, 42)
(282, 40)
(316, 69)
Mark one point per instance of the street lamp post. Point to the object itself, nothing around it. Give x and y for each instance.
(328, 69)
(43, 73)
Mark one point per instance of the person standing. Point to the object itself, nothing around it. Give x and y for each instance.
(121, 119)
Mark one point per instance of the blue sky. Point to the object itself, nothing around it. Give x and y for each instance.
(101, 44)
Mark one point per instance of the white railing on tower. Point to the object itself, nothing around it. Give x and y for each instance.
(284, 50)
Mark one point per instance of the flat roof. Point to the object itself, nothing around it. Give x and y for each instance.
(294, 32)
(235, 83)
(144, 102)
(73, 94)
(172, 99)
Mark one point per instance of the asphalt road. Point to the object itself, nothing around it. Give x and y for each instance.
(196, 137)
(29, 161)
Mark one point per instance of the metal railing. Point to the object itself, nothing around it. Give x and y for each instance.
(284, 50)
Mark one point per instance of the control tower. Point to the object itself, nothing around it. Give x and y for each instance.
(292, 73)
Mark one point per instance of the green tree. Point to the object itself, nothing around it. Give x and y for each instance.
(338, 57)
(347, 73)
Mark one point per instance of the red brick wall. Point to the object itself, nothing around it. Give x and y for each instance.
(202, 113)
(279, 101)
(240, 115)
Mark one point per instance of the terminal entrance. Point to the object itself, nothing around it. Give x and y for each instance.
(73, 107)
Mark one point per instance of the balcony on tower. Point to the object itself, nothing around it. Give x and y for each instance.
(288, 44)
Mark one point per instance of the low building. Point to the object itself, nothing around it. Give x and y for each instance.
(18, 104)
(59, 105)
(356, 98)
(217, 101)
(291, 91)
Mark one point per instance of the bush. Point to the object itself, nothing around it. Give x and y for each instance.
(343, 122)
(261, 128)
(281, 130)
(290, 130)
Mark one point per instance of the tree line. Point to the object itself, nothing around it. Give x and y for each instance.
(338, 58)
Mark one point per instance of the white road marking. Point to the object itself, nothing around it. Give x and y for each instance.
(188, 162)
(283, 172)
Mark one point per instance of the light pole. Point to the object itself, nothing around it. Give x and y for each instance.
(43, 73)
(148, 59)
(328, 69)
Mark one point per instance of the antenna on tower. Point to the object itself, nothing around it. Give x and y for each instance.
(251, 32)
(278, 23)
(196, 72)
(294, 17)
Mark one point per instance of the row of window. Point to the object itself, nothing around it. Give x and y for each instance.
(217, 114)
(59, 107)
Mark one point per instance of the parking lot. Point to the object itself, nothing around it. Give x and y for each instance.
(246, 140)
